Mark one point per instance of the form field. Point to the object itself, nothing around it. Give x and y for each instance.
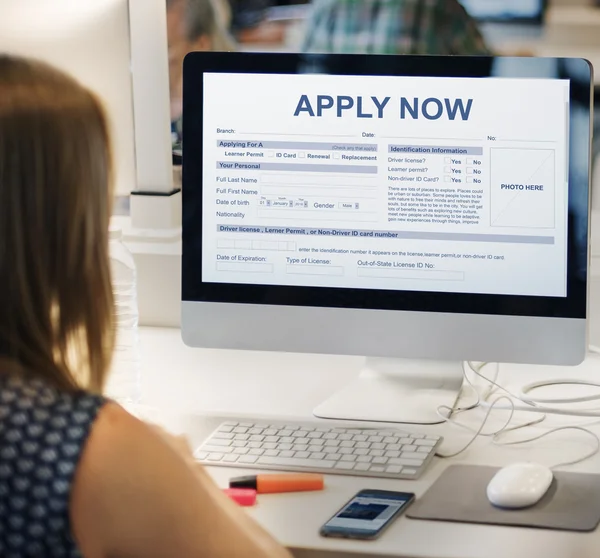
(412, 274)
(243, 267)
(317, 180)
(330, 270)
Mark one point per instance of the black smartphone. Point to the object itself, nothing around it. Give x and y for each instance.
(367, 514)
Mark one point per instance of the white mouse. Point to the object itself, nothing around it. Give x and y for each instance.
(519, 485)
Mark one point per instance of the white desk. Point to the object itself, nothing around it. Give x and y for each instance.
(180, 382)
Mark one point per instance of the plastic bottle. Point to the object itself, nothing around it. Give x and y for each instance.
(124, 382)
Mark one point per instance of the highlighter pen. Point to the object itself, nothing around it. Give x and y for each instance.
(271, 484)
(242, 496)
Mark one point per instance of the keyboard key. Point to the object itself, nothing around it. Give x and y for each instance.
(287, 440)
(418, 436)
(315, 435)
(255, 431)
(215, 457)
(333, 456)
(270, 432)
(271, 438)
(427, 443)
(392, 454)
(201, 455)
(376, 453)
(345, 437)
(302, 454)
(291, 462)
(375, 439)
(413, 455)
(242, 437)
(332, 443)
(241, 451)
(390, 440)
(286, 453)
(348, 458)
(254, 445)
(240, 430)
(361, 451)
(347, 444)
(405, 462)
(217, 449)
(362, 467)
(411, 472)
(223, 436)
(256, 451)
(345, 451)
(424, 449)
(362, 445)
(323, 430)
(344, 465)
(272, 453)
(247, 424)
(227, 424)
(406, 441)
(285, 432)
(239, 444)
(360, 438)
(378, 446)
(393, 469)
(377, 469)
(299, 434)
(269, 445)
(318, 455)
(217, 442)
(257, 438)
(364, 459)
(411, 449)
(379, 460)
(284, 447)
(231, 458)
(354, 431)
(330, 436)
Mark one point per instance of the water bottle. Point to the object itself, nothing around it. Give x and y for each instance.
(124, 382)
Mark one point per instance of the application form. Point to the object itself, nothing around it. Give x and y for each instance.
(387, 183)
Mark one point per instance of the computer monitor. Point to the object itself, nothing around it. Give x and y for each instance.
(527, 11)
(418, 211)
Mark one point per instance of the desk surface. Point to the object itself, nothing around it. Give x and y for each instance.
(264, 385)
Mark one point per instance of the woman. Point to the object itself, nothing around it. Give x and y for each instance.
(78, 475)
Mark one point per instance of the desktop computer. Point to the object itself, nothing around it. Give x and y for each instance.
(418, 211)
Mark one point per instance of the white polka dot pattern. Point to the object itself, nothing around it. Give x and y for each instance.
(42, 433)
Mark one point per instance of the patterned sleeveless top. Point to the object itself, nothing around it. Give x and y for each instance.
(42, 434)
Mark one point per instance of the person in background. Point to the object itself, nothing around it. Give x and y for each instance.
(79, 476)
(249, 23)
(192, 25)
(392, 27)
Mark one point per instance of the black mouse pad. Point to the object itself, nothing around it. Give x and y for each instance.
(571, 504)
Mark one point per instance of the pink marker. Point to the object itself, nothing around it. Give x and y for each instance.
(242, 496)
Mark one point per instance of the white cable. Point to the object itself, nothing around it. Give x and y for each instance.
(446, 413)
(554, 431)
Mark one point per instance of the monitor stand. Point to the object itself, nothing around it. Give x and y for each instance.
(398, 391)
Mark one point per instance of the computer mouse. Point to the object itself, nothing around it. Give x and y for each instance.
(519, 485)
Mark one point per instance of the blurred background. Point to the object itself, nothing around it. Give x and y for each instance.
(461, 27)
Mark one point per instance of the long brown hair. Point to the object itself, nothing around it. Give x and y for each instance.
(56, 304)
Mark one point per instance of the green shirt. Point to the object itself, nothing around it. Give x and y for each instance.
(392, 27)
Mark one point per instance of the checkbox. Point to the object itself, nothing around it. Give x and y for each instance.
(469, 170)
(270, 154)
(470, 180)
(447, 179)
(301, 155)
(448, 170)
(336, 155)
(448, 160)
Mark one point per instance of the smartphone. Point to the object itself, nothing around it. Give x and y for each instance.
(367, 514)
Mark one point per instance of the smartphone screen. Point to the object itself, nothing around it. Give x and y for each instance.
(367, 514)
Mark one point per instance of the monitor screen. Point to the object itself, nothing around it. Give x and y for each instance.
(505, 10)
(398, 183)
(424, 184)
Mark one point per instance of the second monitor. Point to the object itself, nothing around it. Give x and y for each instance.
(393, 207)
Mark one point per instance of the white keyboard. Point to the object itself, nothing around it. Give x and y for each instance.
(387, 453)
